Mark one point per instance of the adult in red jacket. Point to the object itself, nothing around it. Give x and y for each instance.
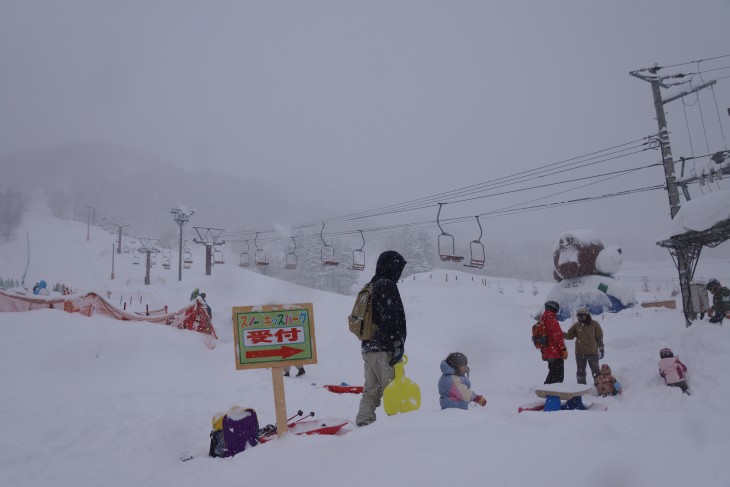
(550, 338)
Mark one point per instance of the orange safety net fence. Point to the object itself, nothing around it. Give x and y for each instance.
(192, 317)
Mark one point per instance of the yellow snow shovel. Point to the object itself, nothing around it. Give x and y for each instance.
(402, 394)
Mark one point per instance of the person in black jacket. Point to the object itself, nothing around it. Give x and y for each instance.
(386, 347)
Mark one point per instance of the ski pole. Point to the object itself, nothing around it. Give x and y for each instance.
(298, 413)
(302, 419)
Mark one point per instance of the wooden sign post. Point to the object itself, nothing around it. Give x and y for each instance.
(272, 336)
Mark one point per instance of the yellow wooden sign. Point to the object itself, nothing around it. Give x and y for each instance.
(274, 335)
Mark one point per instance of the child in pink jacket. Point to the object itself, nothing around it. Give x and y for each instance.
(673, 370)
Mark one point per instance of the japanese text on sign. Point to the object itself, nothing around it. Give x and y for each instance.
(274, 335)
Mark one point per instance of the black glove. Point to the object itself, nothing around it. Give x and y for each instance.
(397, 353)
(600, 353)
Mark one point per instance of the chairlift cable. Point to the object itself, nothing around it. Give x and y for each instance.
(383, 209)
(427, 204)
(611, 175)
(618, 173)
(567, 190)
(469, 190)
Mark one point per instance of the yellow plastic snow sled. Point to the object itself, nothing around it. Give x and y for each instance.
(402, 394)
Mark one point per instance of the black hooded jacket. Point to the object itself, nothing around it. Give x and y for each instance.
(388, 312)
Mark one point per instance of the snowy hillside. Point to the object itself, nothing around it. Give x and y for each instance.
(93, 401)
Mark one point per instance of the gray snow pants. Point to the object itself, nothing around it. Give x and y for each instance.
(378, 374)
(580, 361)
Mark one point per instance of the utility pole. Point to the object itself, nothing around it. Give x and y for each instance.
(208, 237)
(685, 258)
(88, 220)
(112, 261)
(182, 216)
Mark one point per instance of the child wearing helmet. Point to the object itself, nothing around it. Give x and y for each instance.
(454, 384)
(549, 337)
(672, 370)
(720, 300)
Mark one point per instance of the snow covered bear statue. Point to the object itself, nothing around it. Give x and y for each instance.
(584, 267)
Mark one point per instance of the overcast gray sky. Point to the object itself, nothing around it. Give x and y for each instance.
(385, 100)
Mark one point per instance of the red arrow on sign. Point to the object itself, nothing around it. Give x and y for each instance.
(283, 352)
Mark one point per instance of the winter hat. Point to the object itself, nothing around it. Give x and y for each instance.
(666, 352)
(605, 369)
(456, 360)
(583, 311)
(552, 306)
(712, 284)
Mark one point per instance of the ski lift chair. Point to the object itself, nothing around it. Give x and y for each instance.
(125, 248)
(520, 289)
(153, 258)
(166, 259)
(135, 257)
(476, 250)
(245, 260)
(327, 253)
(260, 254)
(291, 257)
(187, 258)
(218, 256)
(535, 290)
(446, 243)
(358, 256)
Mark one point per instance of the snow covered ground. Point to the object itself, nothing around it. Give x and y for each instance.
(97, 402)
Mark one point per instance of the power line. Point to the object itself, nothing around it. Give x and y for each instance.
(688, 62)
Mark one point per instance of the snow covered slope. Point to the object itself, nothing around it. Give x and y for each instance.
(92, 401)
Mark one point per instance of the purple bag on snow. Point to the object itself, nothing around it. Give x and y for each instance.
(240, 430)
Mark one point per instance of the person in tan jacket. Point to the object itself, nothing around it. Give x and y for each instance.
(588, 344)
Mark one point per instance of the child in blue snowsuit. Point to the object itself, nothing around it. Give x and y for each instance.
(455, 386)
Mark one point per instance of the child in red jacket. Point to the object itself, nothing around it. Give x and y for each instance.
(548, 336)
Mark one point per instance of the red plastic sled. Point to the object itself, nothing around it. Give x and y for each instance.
(344, 389)
(327, 426)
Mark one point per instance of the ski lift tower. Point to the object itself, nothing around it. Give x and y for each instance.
(210, 237)
(684, 248)
(687, 247)
(181, 217)
(120, 223)
(148, 247)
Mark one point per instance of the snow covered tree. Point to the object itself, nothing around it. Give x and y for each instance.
(12, 206)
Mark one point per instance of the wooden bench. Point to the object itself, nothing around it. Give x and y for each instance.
(567, 391)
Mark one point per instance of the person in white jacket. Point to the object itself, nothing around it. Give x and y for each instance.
(673, 370)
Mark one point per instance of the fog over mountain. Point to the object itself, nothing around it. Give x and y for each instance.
(120, 181)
